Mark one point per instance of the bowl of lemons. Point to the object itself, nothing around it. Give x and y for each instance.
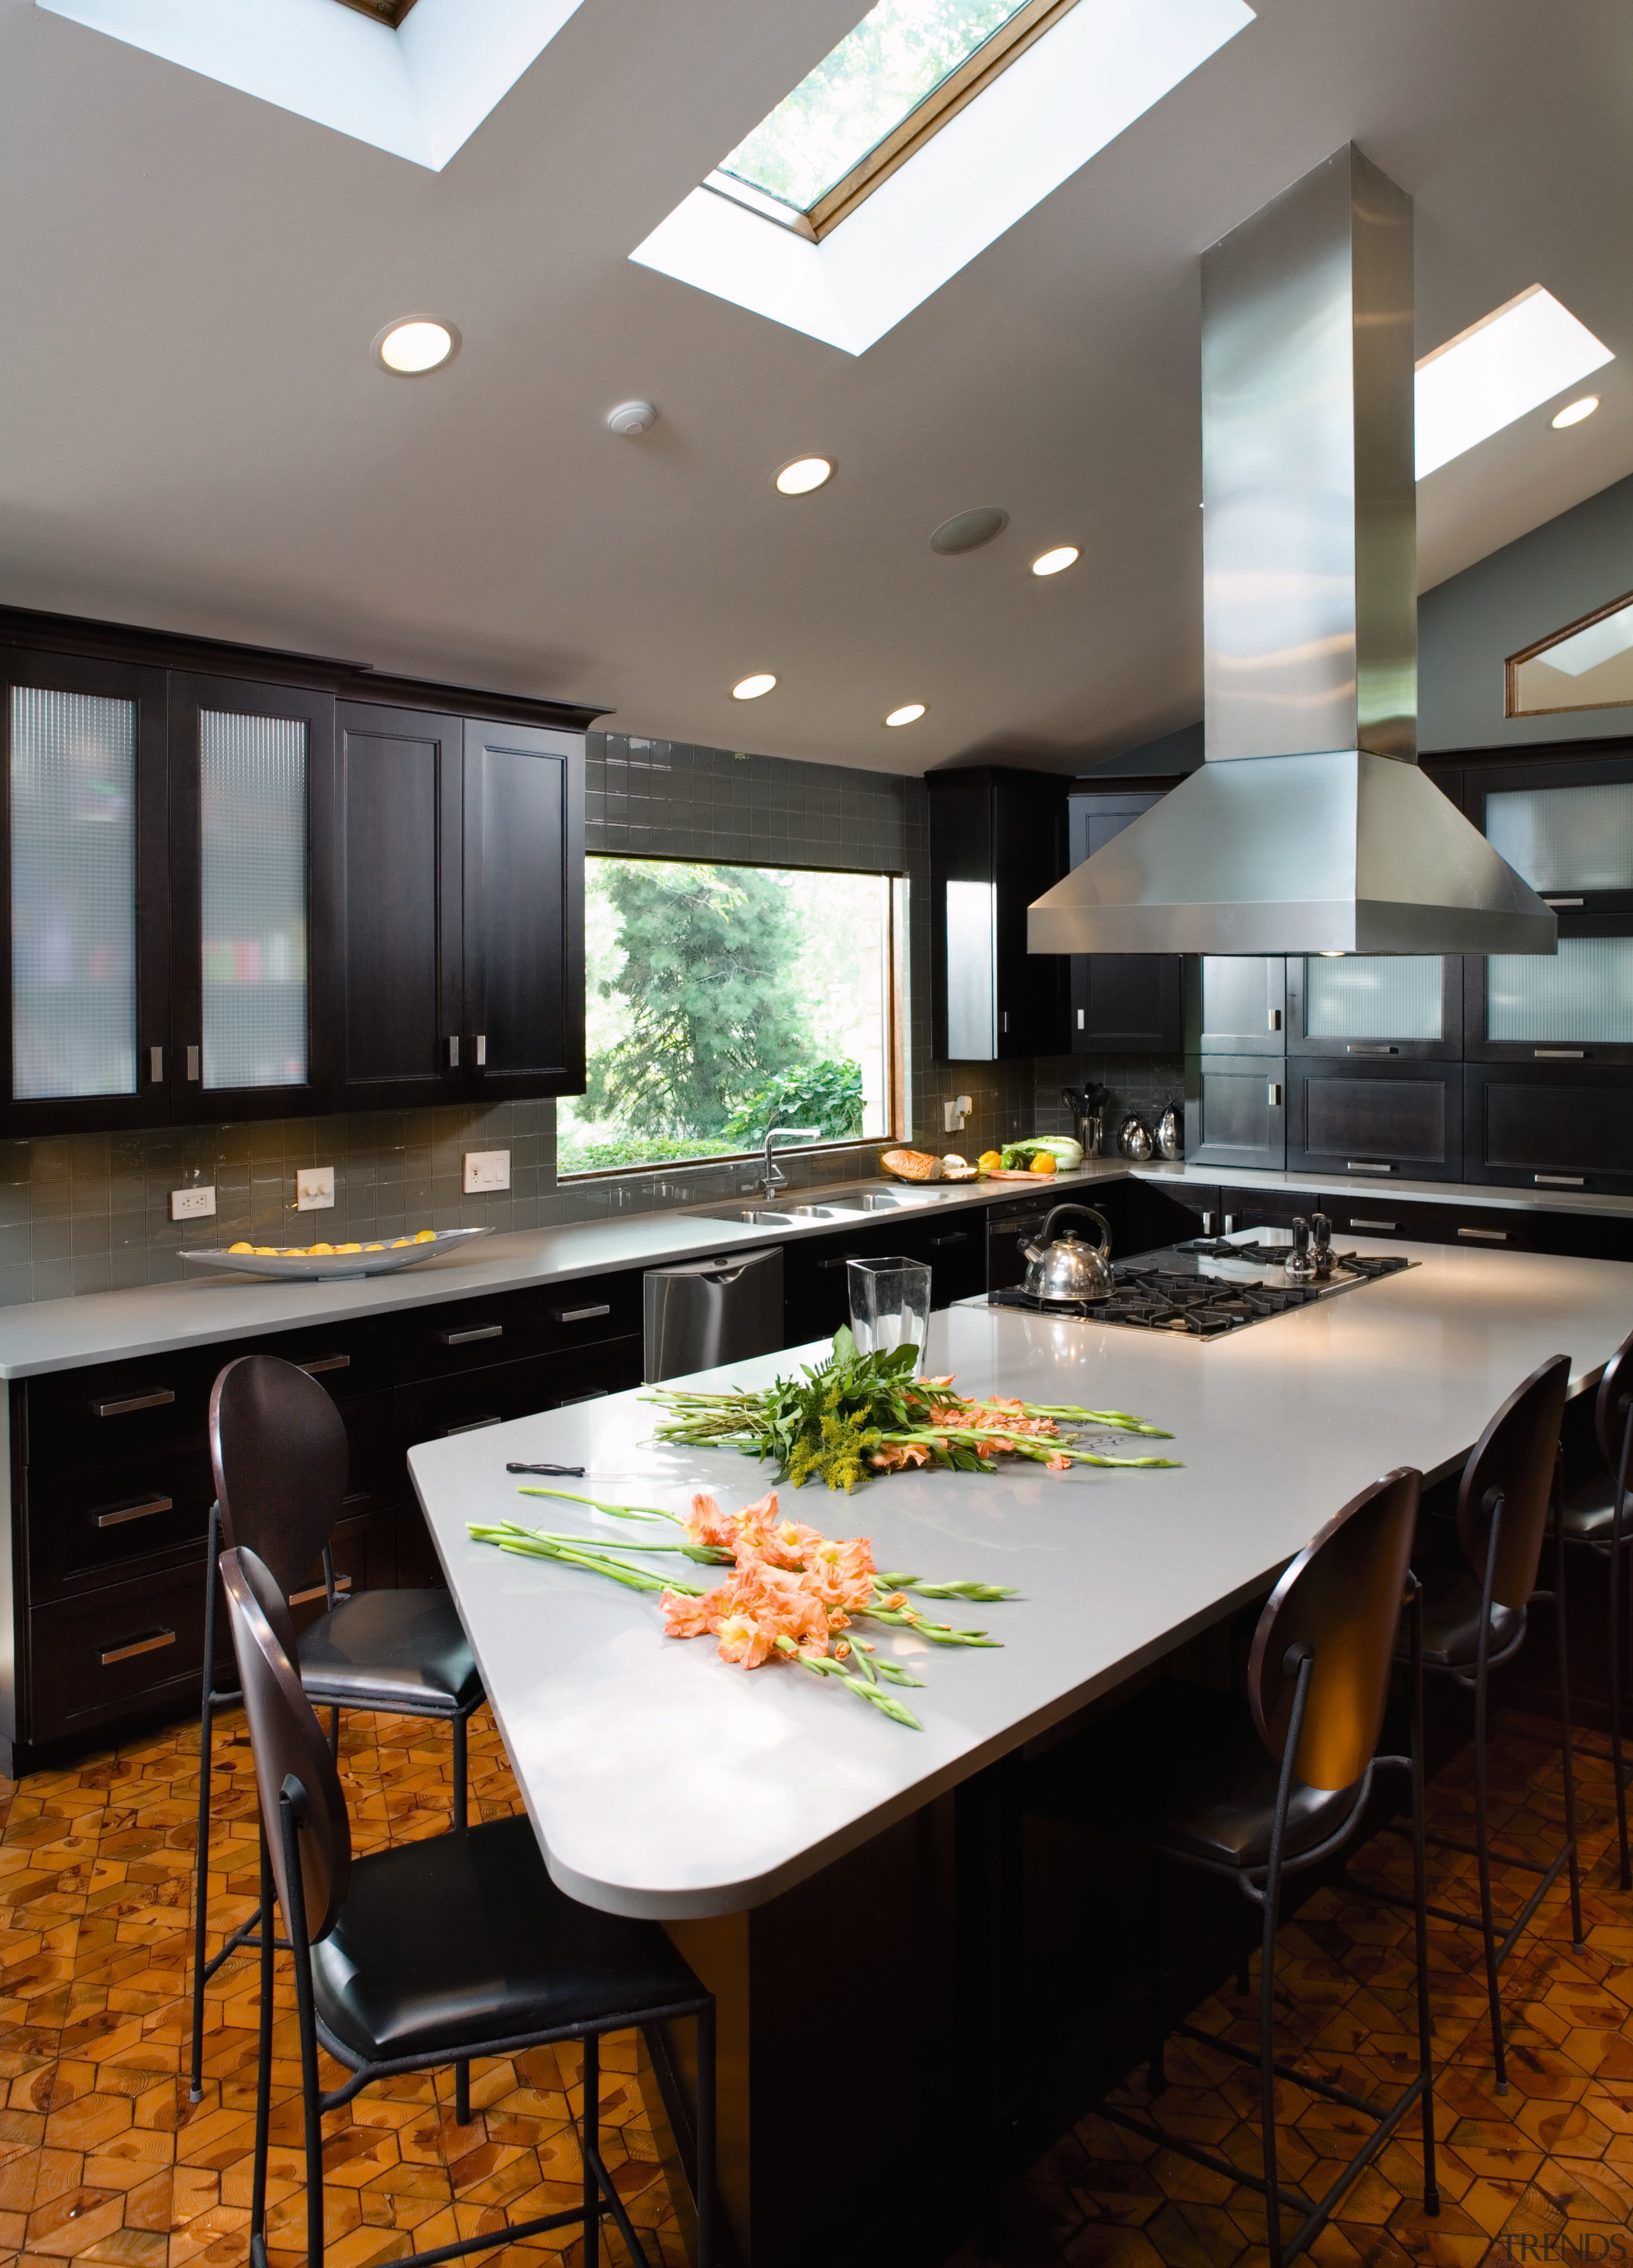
(310, 1262)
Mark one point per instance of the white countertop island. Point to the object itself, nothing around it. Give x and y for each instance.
(664, 1782)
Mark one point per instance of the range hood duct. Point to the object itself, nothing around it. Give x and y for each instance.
(1309, 828)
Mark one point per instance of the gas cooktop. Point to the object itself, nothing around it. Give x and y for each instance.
(1208, 1288)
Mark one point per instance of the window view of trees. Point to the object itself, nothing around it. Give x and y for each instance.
(720, 1000)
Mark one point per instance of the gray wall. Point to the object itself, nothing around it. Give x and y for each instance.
(1468, 625)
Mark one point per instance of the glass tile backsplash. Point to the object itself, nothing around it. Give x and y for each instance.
(73, 776)
(1565, 838)
(1372, 996)
(252, 891)
(1584, 994)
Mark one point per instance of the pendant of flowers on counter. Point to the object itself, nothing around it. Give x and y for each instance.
(793, 1594)
(854, 1415)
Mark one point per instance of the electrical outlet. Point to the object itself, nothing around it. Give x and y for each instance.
(954, 1113)
(314, 1189)
(191, 1204)
(485, 1170)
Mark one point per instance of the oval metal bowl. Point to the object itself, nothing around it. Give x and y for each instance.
(337, 1266)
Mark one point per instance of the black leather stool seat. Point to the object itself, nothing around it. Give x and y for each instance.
(391, 1648)
(1181, 1768)
(1590, 1512)
(465, 1938)
(1451, 1621)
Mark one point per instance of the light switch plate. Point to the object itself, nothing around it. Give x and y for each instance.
(485, 1170)
(191, 1204)
(314, 1189)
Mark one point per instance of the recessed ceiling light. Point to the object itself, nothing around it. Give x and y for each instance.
(804, 475)
(1574, 412)
(750, 689)
(1051, 563)
(968, 531)
(909, 714)
(417, 344)
(1511, 362)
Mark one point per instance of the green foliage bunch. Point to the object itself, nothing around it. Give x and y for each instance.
(828, 1096)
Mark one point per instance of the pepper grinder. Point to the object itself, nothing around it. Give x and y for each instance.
(1321, 1244)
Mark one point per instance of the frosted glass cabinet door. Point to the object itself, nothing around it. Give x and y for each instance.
(1375, 1006)
(1566, 829)
(86, 1039)
(251, 861)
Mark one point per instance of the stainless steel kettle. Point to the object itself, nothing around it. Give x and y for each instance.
(1070, 1268)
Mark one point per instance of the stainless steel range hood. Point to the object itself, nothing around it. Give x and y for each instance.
(1309, 828)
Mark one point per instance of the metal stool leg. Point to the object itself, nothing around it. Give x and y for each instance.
(591, 2151)
(706, 2198)
(1563, 1669)
(462, 2094)
(1157, 2076)
(263, 2072)
(1420, 1904)
(200, 1853)
(1617, 1769)
(459, 1754)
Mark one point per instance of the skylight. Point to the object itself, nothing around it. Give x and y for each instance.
(904, 68)
(1509, 362)
(915, 144)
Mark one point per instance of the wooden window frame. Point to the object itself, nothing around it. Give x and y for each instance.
(994, 55)
(1515, 662)
(389, 12)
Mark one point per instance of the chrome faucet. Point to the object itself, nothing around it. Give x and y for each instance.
(773, 1177)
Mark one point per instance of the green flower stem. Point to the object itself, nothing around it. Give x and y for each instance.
(1020, 1444)
(612, 1511)
(820, 1667)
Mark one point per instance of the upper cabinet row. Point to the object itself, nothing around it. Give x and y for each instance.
(232, 899)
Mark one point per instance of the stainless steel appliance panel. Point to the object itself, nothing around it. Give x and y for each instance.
(702, 1313)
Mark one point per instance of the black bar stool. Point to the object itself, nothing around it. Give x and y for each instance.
(430, 1955)
(1475, 1620)
(1256, 1790)
(279, 1451)
(1598, 1515)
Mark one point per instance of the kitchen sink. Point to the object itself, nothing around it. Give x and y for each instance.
(753, 1217)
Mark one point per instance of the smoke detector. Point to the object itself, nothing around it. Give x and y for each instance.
(631, 417)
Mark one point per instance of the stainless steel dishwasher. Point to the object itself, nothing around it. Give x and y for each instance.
(702, 1313)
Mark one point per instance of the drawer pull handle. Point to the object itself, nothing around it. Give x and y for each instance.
(580, 1315)
(471, 1426)
(1486, 1235)
(1559, 1055)
(596, 1394)
(1559, 1181)
(133, 1646)
(318, 1590)
(1362, 1166)
(843, 1258)
(1387, 1226)
(1561, 902)
(324, 1362)
(468, 1338)
(123, 1404)
(935, 1242)
(121, 1512)
(1367, 1048)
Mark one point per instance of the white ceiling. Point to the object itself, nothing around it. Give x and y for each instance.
(192, 435)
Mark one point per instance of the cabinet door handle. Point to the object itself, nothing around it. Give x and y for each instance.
(156, 1065)
(580, 1315)
(135, 1645)
(1080, 1023)
(324, 1362)
(482, 1051)
(1365, 1165)
(1385, 1227)
(193, 1055)
(1005, 1019)
(1367, 1049)
(123, 1404)
(1274, 1018)
(468, 1338)
(145, 1510)
(471, 1426)
(1486, 1235)
(453, 1051)
(1273, 1094)
(959, 1237)
(1559, 1055)
(318, 1590)
(1559, 1181)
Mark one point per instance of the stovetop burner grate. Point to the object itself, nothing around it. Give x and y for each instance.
(1169, 1291)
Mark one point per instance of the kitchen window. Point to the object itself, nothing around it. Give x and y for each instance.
(1588, 665)
(721, 999)
(873, 101)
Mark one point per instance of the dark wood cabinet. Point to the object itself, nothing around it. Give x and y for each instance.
(86, 1000)
(252, 899)
(253, 885)
(1375, 1119)
(997, 840)
(1235, 1005)
(1236, 1111)
(1121, 1003)
(1549, 1126)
